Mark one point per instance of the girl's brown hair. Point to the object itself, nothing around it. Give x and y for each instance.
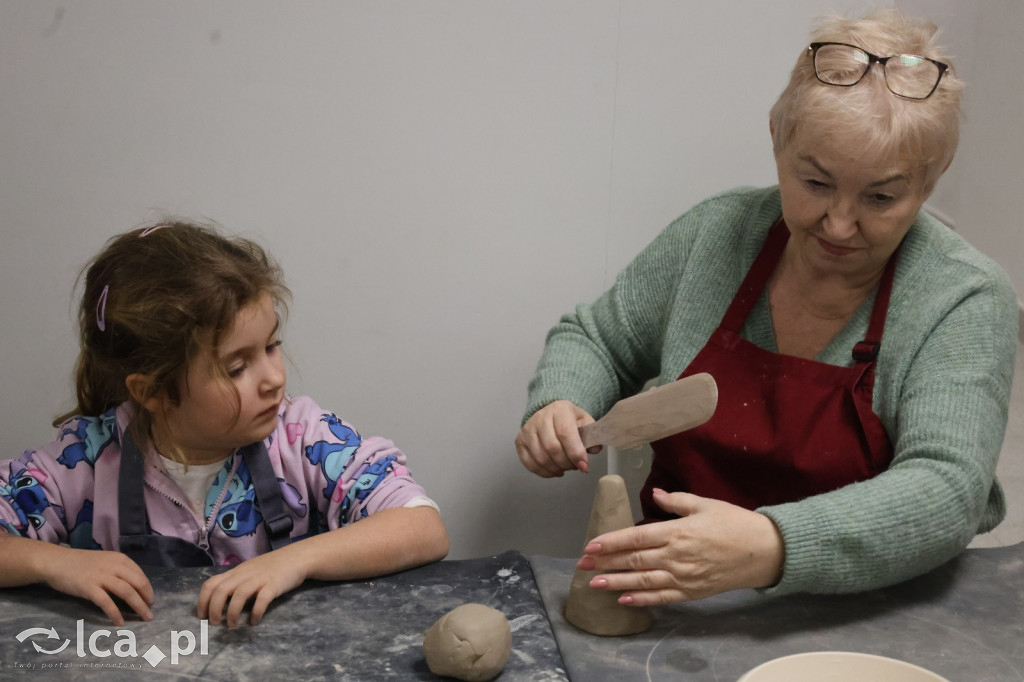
(155, 298)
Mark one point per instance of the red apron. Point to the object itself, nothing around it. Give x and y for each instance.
(785, 428)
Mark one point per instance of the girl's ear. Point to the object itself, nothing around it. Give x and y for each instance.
(140, 388)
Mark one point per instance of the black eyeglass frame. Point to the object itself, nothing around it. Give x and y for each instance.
(875, 59)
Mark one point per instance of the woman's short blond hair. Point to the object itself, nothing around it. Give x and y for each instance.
(924, 133)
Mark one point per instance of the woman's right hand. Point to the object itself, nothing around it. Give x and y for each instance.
(100, 575)
(549, 443)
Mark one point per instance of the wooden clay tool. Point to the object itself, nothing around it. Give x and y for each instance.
(656, 413)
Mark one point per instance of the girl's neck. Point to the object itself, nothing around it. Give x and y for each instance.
(166, 447)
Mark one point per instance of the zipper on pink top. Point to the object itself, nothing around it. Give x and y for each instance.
(203, 527)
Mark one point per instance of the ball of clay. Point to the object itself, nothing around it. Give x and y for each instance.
(471, 642)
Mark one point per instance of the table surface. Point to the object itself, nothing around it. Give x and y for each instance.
(964, 621)
(360, 630)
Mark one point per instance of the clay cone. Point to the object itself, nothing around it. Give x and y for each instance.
(598, 611)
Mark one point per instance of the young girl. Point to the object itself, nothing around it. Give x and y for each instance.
(185, 450)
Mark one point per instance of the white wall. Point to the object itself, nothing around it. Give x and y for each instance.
(440, 180)
(983, 187)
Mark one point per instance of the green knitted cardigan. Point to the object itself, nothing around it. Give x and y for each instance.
(942, 383)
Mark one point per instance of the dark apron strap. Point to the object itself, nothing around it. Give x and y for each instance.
(867, 350)
(131, 507)
(136, 541)
(756, 278)
(761, 270)
(157, 550)
(268, 493)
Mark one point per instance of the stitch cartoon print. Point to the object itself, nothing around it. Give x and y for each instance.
(334, 458)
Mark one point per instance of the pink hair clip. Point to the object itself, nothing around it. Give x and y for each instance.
(150, 230)
(101, 309)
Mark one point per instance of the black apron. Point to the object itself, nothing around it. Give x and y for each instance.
(148, 549)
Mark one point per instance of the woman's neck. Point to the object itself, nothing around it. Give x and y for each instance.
(810, 308)
(824, 295)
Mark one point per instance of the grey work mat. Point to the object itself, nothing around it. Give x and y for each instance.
(359, 631)
(964, 621)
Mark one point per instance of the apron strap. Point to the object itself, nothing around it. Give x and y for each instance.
(268, 493)
(136, 541)
(757, 277)
(131, 507)
(867, 350)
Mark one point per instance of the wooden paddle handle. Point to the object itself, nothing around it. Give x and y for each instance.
(593, 434)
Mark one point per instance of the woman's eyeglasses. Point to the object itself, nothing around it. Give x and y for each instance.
(906, 75)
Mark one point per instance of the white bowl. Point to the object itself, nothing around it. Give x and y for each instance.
(838, 666)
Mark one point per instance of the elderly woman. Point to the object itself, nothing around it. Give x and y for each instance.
(863, 351)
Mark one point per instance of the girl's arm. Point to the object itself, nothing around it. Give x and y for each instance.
(361, 488)
(388, 541)
(45, 496)
(96, 575)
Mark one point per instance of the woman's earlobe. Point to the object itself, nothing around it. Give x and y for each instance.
(140, 388)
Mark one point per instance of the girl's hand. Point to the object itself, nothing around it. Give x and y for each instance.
(100, 575)
(714, 548)
(263, 578)
(549, 443)
(389, 540)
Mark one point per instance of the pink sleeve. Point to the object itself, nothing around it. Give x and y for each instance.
(347, 477)
(47, 493)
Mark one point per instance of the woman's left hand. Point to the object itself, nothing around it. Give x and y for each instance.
(262, 579)
(713, 548)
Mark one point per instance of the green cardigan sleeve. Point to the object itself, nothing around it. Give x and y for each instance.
(608, 349)
(676, 288)
(942, 390)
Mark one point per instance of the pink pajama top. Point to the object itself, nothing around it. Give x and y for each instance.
(66, 492)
